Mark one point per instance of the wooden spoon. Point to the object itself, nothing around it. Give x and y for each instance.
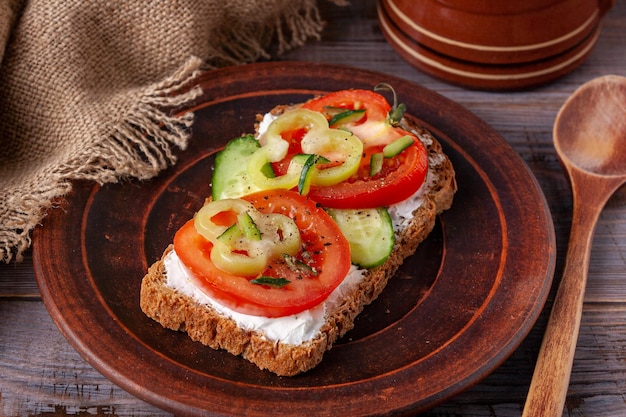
(590, 139)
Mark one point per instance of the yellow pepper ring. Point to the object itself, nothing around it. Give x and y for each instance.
(241, 255)
(252, 263)
(334, 144)
(203, 219)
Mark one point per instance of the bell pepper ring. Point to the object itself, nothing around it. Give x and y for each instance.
(342, 148)
(252, 242)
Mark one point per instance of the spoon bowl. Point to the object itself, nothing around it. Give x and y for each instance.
(590, 130)
(590, 140)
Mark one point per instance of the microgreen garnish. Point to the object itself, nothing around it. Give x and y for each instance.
(398, 109)
(270, 281)
(298, 266)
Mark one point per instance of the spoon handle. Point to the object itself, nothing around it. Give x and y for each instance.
(548, 388)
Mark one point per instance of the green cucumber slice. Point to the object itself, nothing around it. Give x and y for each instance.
(369, 232)
(230, 177)
(397, 146)
(347, 116)
(230, 235)
(304, 184)
(307, 161)
(249, 228)
(376, 163)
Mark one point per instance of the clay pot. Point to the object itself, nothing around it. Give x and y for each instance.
(493, 44)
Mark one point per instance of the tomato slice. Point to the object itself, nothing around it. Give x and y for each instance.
(376, 106)
(324, 249)
(401, 176)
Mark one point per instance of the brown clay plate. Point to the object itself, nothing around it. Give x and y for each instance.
(454, 312)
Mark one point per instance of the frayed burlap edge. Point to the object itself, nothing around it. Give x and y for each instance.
(140, 146)
(292, 27)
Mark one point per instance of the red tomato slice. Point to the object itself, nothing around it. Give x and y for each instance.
(401, 175)
(324, 248)
(375, 105)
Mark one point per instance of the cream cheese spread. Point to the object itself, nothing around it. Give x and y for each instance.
(294, 329)
(302, 327)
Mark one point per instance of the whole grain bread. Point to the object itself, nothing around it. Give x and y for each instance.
(176, 311)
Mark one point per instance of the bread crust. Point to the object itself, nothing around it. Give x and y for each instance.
(176, 311)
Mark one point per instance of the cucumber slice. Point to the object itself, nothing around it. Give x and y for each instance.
(369, 232)
(347, 116)
(397, 146)
(308, 162)
(230, 235)
(230, 178)
(249, 228)
(376, 163)
(304, 185)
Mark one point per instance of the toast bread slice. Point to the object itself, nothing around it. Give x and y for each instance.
(176, 311)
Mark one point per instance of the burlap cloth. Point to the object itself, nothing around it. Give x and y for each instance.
(82, 84)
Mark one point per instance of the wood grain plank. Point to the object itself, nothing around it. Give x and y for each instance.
(17, 280)
(42, 375)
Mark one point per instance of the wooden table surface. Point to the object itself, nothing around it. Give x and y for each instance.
(42, 375)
